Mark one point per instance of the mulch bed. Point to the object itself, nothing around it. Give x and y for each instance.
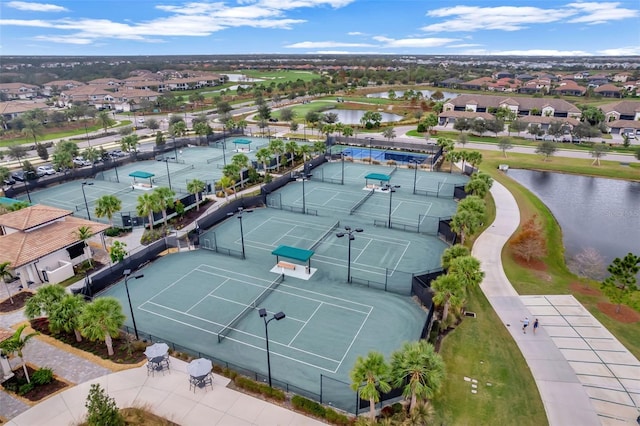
(125, 351)
(19, 300)
(626, 314)
(536, 265)
(582, 289)
(39, 392)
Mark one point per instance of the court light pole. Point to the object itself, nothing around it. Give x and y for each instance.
(415, 174)
(303, 177)
(240, 213)
(85, 198)
(349, 232)
(370, 139)
(224, 146)
(277, 316)
(391, 189)
(127, 275)
(342, 176)
(166, 161)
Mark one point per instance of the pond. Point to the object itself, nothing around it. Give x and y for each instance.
(426, 93)
(242, 78)
(353, 116)
(600, 213)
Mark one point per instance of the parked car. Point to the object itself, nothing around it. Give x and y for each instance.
(19, 176)
(81, 162)
(45, 170)
(9, 180)
(141, 120)
(117, 153)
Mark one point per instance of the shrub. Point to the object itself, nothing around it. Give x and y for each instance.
(102, 409)
(151, 235)
(336, 418)
(308, 406)
(259, 388)
(42, 376)
(25, 388)
(113, 232)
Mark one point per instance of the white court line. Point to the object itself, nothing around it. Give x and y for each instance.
(395, 268)
(305, 324)
(208, 294)
(362, 251)
(354, 339)
(301, 296)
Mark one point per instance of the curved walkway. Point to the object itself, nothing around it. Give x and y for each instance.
(566, 400)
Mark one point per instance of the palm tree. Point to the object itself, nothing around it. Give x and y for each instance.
(165, 198)
(453, 252)
(16, 343)
(107, 206)
(84, 233)
(319, 147)
(147, 206)
(370, 376)
(419, 368)
(241, 161)
(5, 274)
(305, 151)
(102, 320)
(465, 223)
(195, 187)
(263, 155)
(226, 182)
(105, 120)
(42, 303)
(64, 316)
(276, 146)
(447, 290)
(33, 129)
(292, 148)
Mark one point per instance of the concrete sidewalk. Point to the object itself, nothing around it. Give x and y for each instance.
(168, 396)
(565, 400)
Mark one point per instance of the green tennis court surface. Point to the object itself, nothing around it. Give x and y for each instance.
(190, 297)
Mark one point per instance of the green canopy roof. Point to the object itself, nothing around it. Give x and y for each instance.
(242, 142)
(9, 201)
(378, 176)
(293, 253)
(141, 175)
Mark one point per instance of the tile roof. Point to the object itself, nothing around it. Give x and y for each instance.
(623, 107)
(33, 216)
(21, 248)
(524, 103)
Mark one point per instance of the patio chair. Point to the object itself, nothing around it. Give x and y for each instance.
(158, 364)
(200, 382)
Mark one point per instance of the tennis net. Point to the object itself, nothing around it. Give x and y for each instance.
(253, 305)
(325, 235)
(393, 171)
(81, 207)
(361, 202)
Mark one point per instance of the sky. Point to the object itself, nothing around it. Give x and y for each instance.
(397, 27)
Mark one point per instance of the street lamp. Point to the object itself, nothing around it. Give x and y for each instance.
(85, 198)
(391, 189)
(415, 174)
(86, 132)
(127, 275)
(224, 146)
(349, 232)
(277, 316)
(342, 176)
(166, 161)
(241, 211)
(370, 139)
(303, 177)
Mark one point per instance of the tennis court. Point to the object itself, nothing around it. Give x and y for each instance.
(193, 298)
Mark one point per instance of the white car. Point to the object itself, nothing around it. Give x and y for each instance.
(45, 170)
(141, 120)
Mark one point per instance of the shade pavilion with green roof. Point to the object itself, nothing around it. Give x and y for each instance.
(142, 175)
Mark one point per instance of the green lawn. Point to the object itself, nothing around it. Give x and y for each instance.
(281, 76)
(556, 279)
(59, 135)
(482, 349)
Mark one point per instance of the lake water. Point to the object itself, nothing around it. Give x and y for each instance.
(593, 212)
(353, 116)
(399, 93)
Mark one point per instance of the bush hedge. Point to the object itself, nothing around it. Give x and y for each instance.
(42, 376)
(259, 388)
(315, 409)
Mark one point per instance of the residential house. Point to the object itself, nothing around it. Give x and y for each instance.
(12, 109)
(449, 117)
(481, 83)
(11, 91)
(53, 88)
(622, 77)
(41, 243)
(503, 74)
(622, 116)
(569, 88)
(608, 91)
(112, 83)
(520, 106)
(97, 96)
(450, 83)
(131, 99)
(538, 85)
(597, 80)
(544, 121)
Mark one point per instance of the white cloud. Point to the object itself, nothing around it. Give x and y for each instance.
(514, 18)
(355, 33)
(463, 45)
(325, 44)
(600, 13)
(413, 42)
(528, 52)
(36, 7)
(621, 51)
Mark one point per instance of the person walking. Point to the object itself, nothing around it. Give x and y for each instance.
(535, 326)
(525, 323)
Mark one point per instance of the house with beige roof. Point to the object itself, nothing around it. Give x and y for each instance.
(11, 91)
(52, 88)
(12, 109)
(41, 243)
(622, 116)
(100, 97)
(520, 106)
